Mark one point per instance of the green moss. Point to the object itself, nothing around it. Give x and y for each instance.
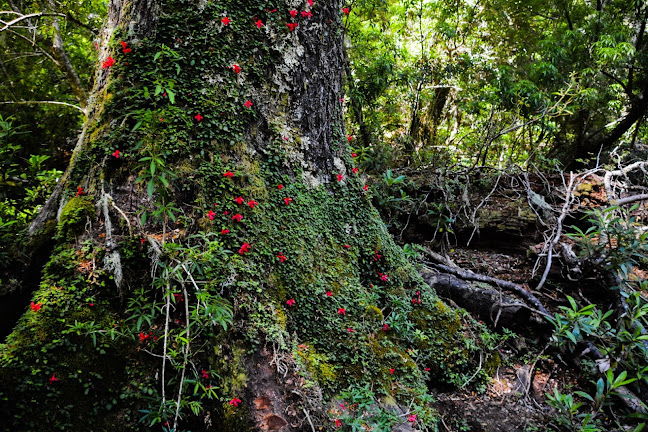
(317, 365)
(75, 215)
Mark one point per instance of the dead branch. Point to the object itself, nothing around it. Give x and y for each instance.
(15, 21)
(607, 179)
(630, 199)
(569, 189)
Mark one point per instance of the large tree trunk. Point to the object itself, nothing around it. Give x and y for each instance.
(134, 305)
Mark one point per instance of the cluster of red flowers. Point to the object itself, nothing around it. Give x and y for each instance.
(417, 299)
(108, 62)
(125, 48)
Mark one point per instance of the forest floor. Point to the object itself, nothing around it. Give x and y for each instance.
(514, 400)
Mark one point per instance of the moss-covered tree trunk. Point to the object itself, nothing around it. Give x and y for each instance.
(218, 264)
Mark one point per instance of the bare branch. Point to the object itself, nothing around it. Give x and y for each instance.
(44, 102)
(630, 199)
(28, 16)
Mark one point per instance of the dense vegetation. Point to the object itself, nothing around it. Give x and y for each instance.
(442, 100)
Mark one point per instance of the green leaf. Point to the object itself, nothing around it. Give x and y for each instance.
(151, 187)
(171, 96)
(137, 126)
(584, 395)
(157, 55)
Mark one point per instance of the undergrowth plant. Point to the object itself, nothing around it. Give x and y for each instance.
(614, 243)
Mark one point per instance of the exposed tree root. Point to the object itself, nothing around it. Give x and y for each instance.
(510, 286)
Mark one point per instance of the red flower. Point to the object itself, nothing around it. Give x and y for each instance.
(248, 103)
(226, 21)
(225, 231)
(353, 155)
(377, 256)
(211, 215)
(225, 212)
(349, 138)
(287, 201)
(340, 177)
(385, 327)
(350, 330)
(252, 203)
(427, 369)
(177, 297)
(35, 306)
(244, 248)
(91, 304)
(355, 170)
(346, 246)
(346, 11)
(235, 401)
(259, 24)
(109, 62)
(143, 336)
(229, 174)
(365, 187)
(198, 117)
(280, 186)
(293, 13)
(80, 191)
(329, 293)
(53, 379)
(125, 47)
(391, 371)
(412, 418)
(290, 302)
(239, 200)
(237, 217)
(205, 374)
(310, 2)
(338, 423)
(383, 276)
(236, 68)
(292, 26)
(341, 311)
(116, 153)
(281, 257)
(308, 14)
